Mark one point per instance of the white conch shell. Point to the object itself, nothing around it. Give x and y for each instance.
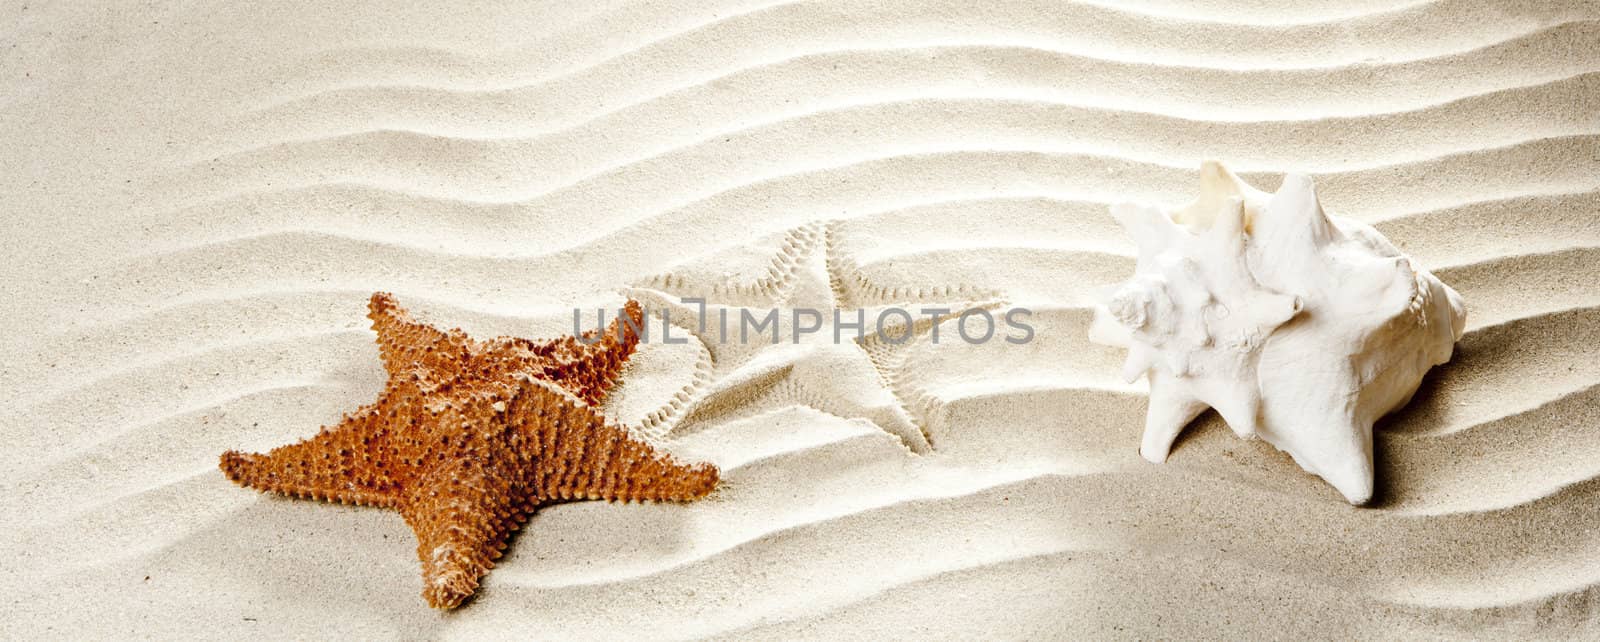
(1297, 326)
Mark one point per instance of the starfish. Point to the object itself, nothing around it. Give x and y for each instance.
(469, 437)
(851, 377)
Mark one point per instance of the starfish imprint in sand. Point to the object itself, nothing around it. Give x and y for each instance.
(839, 365)
(469, 437)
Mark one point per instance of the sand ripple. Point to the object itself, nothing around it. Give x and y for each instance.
(197, 213)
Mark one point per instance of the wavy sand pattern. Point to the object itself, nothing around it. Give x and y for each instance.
(199, 199)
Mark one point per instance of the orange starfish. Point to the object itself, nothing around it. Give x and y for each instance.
(470, 437)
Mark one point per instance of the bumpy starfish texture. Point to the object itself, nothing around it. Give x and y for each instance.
(470, 437)
(1297, 326)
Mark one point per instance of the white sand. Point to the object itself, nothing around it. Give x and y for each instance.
(198, 199)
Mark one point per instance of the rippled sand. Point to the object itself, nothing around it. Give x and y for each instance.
(198, 200)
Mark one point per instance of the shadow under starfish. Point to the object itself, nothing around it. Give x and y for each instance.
(469, 437)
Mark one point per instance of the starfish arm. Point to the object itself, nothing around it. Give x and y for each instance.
(462, 512)
(583, 457)
(588, 368)
(1171, 408)
(332, 466)
(408, 347)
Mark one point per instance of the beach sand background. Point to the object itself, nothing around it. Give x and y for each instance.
(198, 197)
